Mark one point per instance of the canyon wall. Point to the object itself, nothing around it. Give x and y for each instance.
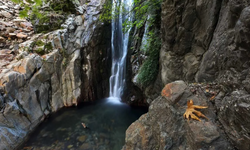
(208, 41)
(204, 42)
(75, 70)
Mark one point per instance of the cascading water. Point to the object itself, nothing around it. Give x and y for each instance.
(119, 46)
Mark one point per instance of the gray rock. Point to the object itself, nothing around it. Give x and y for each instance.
(36, 85)
(189, 29)
(5, 14)
(234, 113)
(164, 127)
(4, 8)
(78, 20)
(190, 67)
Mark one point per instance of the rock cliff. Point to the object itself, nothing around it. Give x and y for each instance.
(53, 70)
(206, 42)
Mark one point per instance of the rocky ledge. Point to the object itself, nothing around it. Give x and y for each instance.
(164, 127)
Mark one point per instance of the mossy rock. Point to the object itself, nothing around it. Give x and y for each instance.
(63, 6)
(48, 47)
(45, 25)
(51, 19)
(40, 51)
(39, 43)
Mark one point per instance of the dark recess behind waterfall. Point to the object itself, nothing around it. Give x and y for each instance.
(99, 51)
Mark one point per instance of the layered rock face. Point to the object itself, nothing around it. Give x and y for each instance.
(73, 70)
(195, 33)
(164, 127)
(208, 41)
(202, 41)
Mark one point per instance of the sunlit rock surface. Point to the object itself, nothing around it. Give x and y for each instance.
(53, 70)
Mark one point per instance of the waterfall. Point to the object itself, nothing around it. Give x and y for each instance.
(119, 46)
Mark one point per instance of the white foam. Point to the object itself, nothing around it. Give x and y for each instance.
(114, 100)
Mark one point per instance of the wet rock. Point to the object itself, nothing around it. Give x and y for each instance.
(69, 146)
(82, 138)
(85, 146)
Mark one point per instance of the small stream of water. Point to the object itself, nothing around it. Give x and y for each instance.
(63, 130)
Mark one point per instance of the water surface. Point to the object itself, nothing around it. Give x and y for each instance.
(107, 124)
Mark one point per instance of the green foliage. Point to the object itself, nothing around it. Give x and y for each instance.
(107, 12)
(39, 43)
(149, 69)
(141, 10)
(48, 47)
(40, 47)
(44, 18)
(40, 51)
(110, 12)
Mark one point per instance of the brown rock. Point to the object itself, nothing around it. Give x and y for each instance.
(20, 69)
(85, 146)
(82, 138)
(2, 39)
(21, 35)
(12, 34)
(6, 14)
(19, 20)
(8, 24)
(25, 24)
(173, 91)
(10, 29)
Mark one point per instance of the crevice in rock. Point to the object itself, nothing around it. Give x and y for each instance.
(217, 15)
(23, 111)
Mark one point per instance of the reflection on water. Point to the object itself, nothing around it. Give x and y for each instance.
(106, 122)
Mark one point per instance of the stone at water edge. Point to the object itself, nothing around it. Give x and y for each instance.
(70, 146)
(82, 138)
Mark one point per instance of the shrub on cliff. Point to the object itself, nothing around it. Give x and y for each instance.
(46, 15)
(149, 69)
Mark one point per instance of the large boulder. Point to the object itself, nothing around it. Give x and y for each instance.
(164, 127)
